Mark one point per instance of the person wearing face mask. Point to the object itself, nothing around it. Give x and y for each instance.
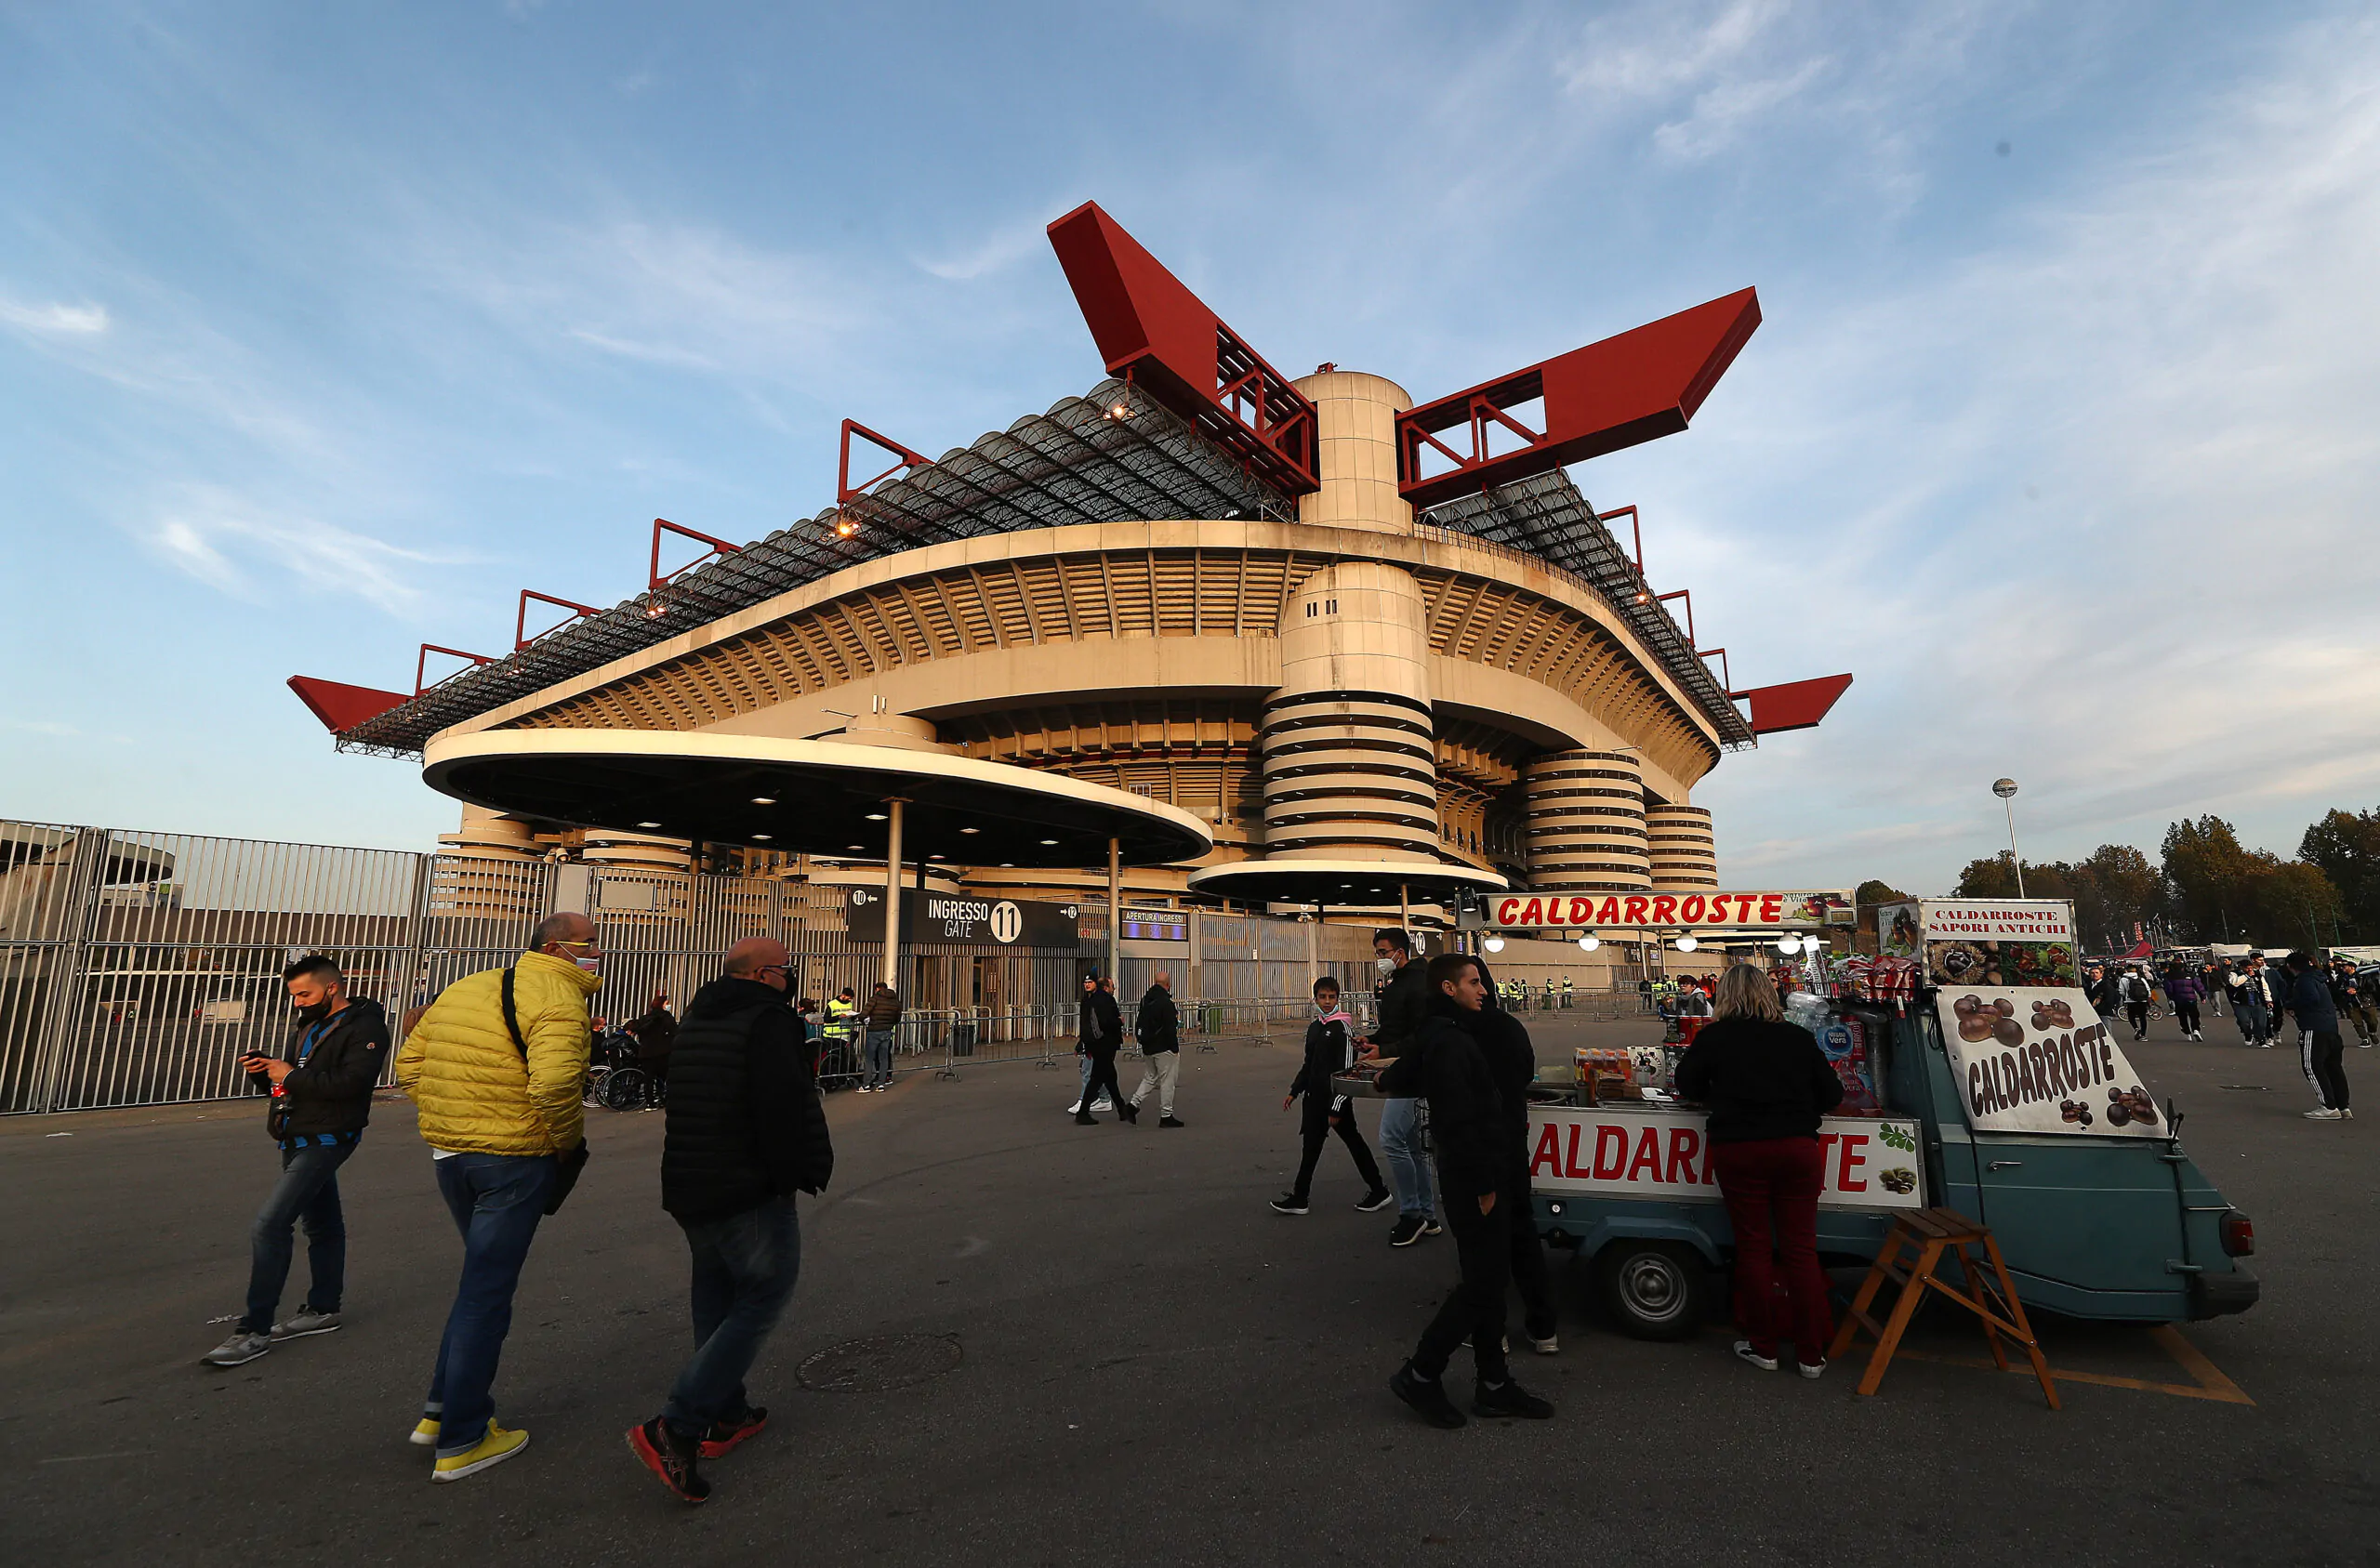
(745, 1132)
(320, 1090)
(495, 1069)
(1404, 1003)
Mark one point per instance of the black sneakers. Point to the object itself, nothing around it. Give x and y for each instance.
(1508, 1398)
(1411, 1228)
(1169, 1121)
(1374, 1201)
(1289, 1203)
(672, 1458)
(1428, 1397)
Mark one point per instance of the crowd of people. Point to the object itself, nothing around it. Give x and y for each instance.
(494, 1067)
(2315, 995)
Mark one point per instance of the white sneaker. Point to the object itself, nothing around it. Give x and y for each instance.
(1745, 1353)
(1806, 1370)
(1104, 1104)
(1076, 1108)
(2326, 1114)
(1549, 1346)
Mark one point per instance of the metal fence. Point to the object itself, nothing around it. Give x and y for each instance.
(138, 967)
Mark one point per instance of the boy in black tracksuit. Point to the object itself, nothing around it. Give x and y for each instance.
(1329, 1049)
(1476, 1168)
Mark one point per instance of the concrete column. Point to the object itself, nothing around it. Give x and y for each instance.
(1116, 916)
(892, 890)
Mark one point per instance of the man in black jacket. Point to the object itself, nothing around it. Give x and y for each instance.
(1404, 1003)
(1103, 1036)
(745, 1133)
(321, 1097)
(1159, 1029)
(1445, 1065)
(1512, 1061)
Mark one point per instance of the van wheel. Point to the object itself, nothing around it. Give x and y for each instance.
(1653, 1291)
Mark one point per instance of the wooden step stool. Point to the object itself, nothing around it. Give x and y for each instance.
(1930, 1234)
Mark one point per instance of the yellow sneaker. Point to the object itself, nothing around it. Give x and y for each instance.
(424, 1433)
(499, 1445)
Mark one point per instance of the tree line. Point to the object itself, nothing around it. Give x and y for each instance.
(2205, 885)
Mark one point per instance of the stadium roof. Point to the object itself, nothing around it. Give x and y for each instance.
(1544, 516)
(1115, 455)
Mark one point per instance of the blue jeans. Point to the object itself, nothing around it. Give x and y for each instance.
(745, 1269)
(496, 1201)
(1409, 1167)
(308, 1190)
(879, 1057)
(2250, 1016)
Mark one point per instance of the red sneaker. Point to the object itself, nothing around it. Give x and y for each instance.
(724, 1436)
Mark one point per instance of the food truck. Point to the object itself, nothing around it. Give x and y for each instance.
(1977, 1076)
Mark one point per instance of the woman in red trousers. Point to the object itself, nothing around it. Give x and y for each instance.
(1766, 1084)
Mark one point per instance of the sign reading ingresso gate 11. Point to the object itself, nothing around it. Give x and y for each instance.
(1763, 910)
(955, 918)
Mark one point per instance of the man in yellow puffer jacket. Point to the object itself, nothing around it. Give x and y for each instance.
(495, 1116)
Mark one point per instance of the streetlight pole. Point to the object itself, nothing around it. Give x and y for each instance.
(2007, 790)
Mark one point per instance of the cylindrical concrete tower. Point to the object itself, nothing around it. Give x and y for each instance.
(1356, 452)
(1349, 747)
(1683, 853)
(1585, 825)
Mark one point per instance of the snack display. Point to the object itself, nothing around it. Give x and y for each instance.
(1844, 1041)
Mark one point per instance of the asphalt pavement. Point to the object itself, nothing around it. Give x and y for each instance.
(1023, 1341)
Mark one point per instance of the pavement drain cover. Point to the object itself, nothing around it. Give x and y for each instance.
(872, 1367)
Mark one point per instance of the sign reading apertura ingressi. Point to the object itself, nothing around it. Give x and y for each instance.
(1765, 910)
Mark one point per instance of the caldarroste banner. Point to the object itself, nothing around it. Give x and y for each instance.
(1983, 942)
(1614, 1151)
(1767, 909)
(2037, 1059)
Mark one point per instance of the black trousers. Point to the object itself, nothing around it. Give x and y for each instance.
(1484, 1251)
(1102, 1075)
(2186, 1014)
(1317, 1133)
(2138, 1013)
(2320, 1050)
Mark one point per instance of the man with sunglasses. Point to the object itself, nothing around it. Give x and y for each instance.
(745, 1133)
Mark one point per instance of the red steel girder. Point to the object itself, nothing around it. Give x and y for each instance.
(845, 491)
(1641, 385)
(1797, 705)
(1157, 334)
(340, 706)
(421, 664)
(521, 637)
(662, 524)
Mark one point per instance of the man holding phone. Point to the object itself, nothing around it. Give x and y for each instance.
(320, 1098)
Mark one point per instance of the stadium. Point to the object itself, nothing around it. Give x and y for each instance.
(1384, 653)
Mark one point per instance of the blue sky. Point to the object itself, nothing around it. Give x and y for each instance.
(322, 331)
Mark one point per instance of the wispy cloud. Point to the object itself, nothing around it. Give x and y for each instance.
(53, 320)
(230, 542)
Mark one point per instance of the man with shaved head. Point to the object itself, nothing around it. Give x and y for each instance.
(745, 1133)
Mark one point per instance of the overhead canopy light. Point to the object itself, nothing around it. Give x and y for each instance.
(1687, 944)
